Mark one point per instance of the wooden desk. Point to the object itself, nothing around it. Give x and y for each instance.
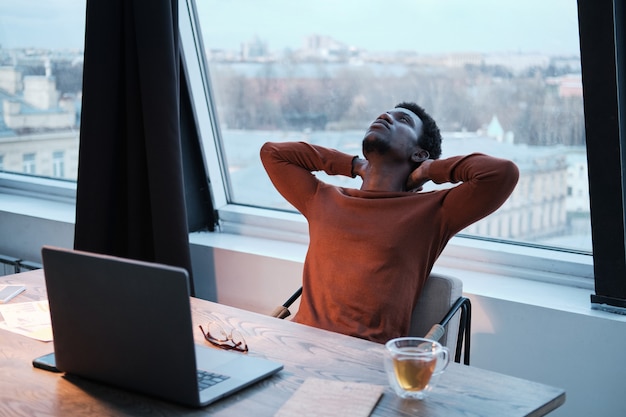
(304, 351)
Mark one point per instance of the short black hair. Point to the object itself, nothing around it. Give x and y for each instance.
(430, 139)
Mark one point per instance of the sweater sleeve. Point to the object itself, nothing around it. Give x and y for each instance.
(290, 165)
(485, 184)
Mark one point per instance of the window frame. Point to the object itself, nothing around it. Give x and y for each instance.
(197, 73)
(45, 188)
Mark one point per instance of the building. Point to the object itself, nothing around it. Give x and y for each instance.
(38, 127)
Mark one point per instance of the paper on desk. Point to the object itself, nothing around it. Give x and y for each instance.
(30, 319)
(325, 398)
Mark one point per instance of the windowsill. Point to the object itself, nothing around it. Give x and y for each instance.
(39, 197)
(31, 206)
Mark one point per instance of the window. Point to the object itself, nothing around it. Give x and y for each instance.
(322, 72)
(58, 164)
(28, 163)
(41, 54)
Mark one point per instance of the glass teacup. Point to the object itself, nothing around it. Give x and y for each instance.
(413, 365)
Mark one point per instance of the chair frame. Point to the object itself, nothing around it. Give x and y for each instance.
(462, 304)
(465, 328)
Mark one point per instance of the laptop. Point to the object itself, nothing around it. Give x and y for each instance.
(127, 323)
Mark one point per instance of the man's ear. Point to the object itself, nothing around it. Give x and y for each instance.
(420, 155)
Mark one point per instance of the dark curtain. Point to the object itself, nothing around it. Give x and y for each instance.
(130, 197)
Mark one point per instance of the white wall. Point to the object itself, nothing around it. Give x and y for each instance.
(580, 353)
(542, 332)
(22, 236)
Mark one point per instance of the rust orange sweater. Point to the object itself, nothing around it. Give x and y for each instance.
(371, 252)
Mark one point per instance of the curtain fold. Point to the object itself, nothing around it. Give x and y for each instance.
(130, 195)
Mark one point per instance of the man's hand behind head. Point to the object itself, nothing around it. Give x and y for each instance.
(359, 167)
(419, 176)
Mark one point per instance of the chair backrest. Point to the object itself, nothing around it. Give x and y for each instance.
(438, 295)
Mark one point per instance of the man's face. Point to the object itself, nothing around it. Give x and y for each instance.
(394, 132)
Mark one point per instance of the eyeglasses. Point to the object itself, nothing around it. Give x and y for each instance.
(216, 335)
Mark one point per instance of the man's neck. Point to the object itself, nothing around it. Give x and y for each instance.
(385, 178)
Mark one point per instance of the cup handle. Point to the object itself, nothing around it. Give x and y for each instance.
(442, 361)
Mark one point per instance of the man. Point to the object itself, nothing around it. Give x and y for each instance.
(372, 249)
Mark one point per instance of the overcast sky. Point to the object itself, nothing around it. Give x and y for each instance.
(422, 25)
(42, 23)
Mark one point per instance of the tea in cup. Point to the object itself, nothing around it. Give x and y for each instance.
(413, 364)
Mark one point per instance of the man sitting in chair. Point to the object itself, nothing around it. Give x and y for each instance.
(372, 249)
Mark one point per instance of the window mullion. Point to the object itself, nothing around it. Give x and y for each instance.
(605, 151)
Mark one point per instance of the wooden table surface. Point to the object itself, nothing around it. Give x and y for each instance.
(305, 352)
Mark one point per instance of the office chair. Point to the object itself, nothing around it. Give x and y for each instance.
(440, 301)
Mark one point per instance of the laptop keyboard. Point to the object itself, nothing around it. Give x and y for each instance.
(207, 379)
